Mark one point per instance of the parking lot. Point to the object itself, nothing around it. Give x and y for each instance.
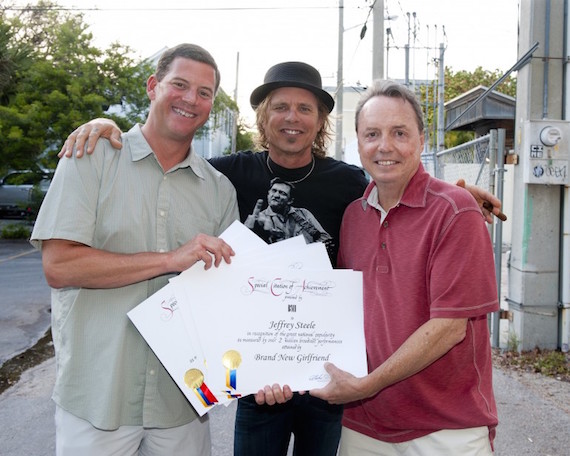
(22, 191)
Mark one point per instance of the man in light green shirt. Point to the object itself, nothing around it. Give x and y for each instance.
(112, 229)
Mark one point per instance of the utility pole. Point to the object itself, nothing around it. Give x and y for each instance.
(415, 32)
(427, 130)
(441, 99)
(339, 83)
(407, 56)
(434, 103)
(234, 127)
(378, 40)
(538, 274)
(388, 33)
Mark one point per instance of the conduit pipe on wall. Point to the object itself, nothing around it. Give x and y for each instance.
(564, 291)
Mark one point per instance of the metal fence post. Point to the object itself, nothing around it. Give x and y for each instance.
(499, 171)
(491, 170)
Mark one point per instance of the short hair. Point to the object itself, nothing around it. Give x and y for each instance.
(389, 88)
(278, 180)
(323, 135)
(186, 51)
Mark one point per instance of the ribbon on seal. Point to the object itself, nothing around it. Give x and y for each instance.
(194, 379)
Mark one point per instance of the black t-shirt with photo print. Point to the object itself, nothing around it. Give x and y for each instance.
(324, 190)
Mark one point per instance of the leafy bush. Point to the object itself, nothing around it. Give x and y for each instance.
(15, 231)
(552, 363)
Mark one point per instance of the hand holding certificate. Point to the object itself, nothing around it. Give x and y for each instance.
(275, 315)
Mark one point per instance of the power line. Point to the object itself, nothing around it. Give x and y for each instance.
(136, 9)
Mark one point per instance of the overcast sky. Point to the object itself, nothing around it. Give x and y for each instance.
(264, 32)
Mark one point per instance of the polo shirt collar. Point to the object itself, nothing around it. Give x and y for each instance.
(414, 194)
(141, 149)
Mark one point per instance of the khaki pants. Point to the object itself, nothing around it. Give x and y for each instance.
(77, 437)
(448, 442)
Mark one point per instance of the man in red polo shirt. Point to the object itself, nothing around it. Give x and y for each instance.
(429, 283)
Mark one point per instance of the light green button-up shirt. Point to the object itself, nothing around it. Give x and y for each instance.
(122, 201)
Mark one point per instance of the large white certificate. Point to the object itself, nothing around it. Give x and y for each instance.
(274, 315)
(258, 326)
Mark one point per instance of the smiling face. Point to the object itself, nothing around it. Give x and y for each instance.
(291, 124)
(389, 143)
(181, 102)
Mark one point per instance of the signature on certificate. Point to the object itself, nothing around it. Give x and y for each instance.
(321, 378)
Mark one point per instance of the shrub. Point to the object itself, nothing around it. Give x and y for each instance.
(15, 231)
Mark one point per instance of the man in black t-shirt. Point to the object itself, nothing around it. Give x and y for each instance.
(292, 114)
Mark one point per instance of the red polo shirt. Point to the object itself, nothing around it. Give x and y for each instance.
(430, 258)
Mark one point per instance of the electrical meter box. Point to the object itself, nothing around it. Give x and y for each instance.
(545, 150)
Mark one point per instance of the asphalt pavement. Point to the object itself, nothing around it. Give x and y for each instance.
(534, 411)
(25, 297)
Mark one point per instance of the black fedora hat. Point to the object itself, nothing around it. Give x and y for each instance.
(292, 74)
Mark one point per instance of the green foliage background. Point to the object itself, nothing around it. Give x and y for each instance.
(52, 79)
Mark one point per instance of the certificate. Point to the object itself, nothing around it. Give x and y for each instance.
(159, 320)
(276, 314)
(258, 326)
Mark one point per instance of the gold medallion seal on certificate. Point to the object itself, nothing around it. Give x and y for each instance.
(231, 361)
(194, 379)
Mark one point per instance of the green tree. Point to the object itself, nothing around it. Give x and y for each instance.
(462, 81)
(245, 138)
(63, 82)
(222, 103)
(53, 79)
(12, 58)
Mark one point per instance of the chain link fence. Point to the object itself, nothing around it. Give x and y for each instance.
(469, 161)
(476, 162)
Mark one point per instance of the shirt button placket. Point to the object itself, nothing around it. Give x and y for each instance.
(162, 212)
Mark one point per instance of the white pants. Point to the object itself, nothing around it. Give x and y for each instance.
(448, 442)
(77, 437)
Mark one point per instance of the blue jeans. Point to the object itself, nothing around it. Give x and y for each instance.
(263, 430)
